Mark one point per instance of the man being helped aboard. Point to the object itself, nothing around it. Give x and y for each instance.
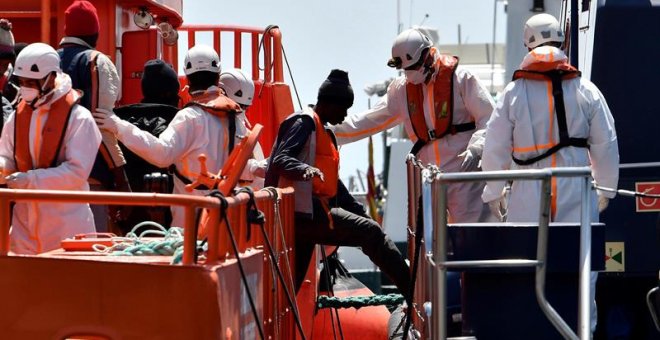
(305, 156)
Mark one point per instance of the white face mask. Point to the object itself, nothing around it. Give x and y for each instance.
(29, 94)
(416, 76)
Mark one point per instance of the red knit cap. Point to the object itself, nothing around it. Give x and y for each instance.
(80, 19)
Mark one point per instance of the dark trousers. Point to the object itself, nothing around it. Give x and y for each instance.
(351, 230)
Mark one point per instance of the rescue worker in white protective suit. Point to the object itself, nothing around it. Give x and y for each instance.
(50, 143)
(549, 116)
(239, 87)
(444, 109)
(207, 125)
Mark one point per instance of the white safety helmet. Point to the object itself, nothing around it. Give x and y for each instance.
(238, 86)
(540, 29)
(36, 61)
(201, 58)
(408, 47)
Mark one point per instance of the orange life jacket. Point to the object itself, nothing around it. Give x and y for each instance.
(52, 134)
(555, 72)
(326, 159)
(215, 103)
(544, 71)
(443, 103)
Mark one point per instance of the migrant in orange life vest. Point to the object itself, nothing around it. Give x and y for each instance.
(443, 107)
(326, 160)
(50, 143)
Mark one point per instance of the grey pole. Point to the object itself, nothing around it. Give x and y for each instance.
(584, 306)
(439, 294)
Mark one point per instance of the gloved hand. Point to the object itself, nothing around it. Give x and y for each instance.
(106, 120)
(603, 202)
(258, 168)
(498, 208)
(471, 159)
(17, 180)
(312, 172)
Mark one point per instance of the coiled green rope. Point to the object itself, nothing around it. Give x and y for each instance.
(133, 244)
(325, 301)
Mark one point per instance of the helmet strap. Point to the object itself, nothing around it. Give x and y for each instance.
(42, 90)
(429, 63)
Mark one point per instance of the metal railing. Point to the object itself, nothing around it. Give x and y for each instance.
(112, 198)
(277, 206)
(270, 38)
(434, 194)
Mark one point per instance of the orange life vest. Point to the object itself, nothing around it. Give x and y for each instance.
(52, 134)
(555, 72)
(326, 159)
(215, 103)
(443, 103)
(543, 70)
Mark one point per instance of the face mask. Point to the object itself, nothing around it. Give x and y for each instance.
(416, 76)
(29, 94)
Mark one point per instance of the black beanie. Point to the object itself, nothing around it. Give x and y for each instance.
(337, 89)
(159, 80)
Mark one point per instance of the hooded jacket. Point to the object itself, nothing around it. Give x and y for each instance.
(39, 227)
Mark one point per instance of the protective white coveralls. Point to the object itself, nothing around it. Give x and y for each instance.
(524, 122)
(472, 102)
(192, 132)
(39, 227)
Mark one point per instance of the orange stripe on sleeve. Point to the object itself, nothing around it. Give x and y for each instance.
(368, 132)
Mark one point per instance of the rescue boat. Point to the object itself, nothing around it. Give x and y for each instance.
(241, 286)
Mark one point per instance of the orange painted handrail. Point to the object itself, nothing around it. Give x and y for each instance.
(277, 206)
(45, 21)
(273, 68)
(112, 198)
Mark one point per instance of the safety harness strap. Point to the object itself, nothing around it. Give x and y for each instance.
(556, 77)
(221, 111)
(457, 128)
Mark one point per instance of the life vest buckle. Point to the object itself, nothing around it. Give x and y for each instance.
(431, 135)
